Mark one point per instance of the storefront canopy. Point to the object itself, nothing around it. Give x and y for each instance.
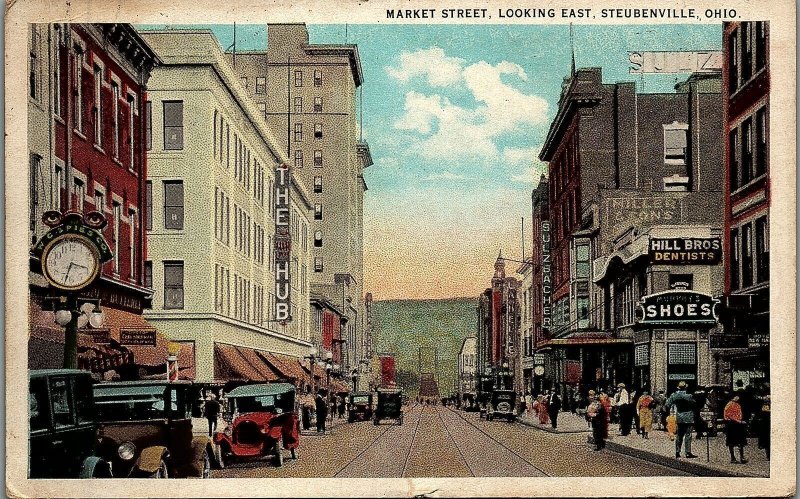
(242, 364)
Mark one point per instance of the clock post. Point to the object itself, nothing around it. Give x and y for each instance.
(71, 254)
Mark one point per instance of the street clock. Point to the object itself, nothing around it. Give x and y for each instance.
(70, 262)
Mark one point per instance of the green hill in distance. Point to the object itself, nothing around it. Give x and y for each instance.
(403, 326)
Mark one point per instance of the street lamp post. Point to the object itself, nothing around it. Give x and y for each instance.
(313, 357)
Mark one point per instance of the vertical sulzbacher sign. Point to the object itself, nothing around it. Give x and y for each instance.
(283, 245)
(547, 283)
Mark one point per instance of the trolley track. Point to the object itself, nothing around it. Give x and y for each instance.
(452, 439)
(413, 439)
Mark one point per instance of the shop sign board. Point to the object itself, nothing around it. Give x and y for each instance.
(283, 245)
(678, 308)
(139, 338)
(547, 277)
(728, 341)
(538, 359)
(757, 340)
(686, 250)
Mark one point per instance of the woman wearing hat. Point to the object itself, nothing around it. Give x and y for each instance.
(735, 429)
(596, 413)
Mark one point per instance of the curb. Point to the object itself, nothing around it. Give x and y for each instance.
(670, 462)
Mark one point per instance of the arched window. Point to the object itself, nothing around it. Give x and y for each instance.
(318, 239)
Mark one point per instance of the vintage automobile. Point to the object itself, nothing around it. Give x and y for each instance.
(502, 405)
(263, 423)
(484, 397)
(146, 430)
(62, 432)
(360, 407)
(389, 406)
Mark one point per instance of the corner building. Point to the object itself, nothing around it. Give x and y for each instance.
(211, 218)
(307, 94)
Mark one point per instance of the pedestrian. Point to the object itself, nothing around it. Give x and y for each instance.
(211, 413)
(700, 399)
(529, 403)
(544, 409)
(553, 406)
(322, 412)
(342, 406)
(632, 413)
(735, 429)
(623, 403)
(684, 418)
(606, 401)
(307, 407)
(660, 412)
(597, 415)
(644, 408)
(763, 425)
(522, 404)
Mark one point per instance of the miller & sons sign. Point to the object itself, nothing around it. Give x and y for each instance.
(677, 308)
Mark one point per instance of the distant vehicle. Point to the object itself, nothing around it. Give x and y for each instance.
(264, 423)
(390, 406)
(360, 407)
(62, 431)
(501, 405)
(484, 397)
(146, 430)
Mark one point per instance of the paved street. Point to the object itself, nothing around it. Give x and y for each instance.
(443, 442)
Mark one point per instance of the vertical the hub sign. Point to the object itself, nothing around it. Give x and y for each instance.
(283, 245)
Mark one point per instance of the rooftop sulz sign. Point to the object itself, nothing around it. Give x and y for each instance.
(677, 308)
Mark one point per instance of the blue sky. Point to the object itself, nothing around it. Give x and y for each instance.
(455, 116)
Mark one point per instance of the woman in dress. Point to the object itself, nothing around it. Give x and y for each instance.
(597, 414)
(735, 429)
(544, 415)
(644, 408)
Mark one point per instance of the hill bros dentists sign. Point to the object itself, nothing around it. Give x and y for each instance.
(283, 245)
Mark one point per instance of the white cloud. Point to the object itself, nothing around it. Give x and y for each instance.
(446, 175)
(446, 130)
(518, 156)
(432, 64)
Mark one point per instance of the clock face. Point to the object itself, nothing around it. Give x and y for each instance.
(70, 262)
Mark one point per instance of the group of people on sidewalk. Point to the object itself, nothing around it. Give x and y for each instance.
(316, 408)
(678, 414)
(545, 407)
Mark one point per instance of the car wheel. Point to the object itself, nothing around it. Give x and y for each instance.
(279, 453)
(162, 471)
(220, 456)
(206, 473)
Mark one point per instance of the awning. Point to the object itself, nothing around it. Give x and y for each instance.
(288, 367)
(585, 341)
(240, 363)
(636, 249)
(149, 346)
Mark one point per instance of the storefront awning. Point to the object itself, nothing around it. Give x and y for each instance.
(583, 341)
(288, 367)
(240, 363)
(636, 249)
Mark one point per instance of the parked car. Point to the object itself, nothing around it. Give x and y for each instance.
(501, 405)
(360, 407)
(263, 423)
(146, 430)
(390, 406)
(62, 431)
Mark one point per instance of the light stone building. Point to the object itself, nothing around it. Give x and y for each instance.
(211, 177)
(307, 94)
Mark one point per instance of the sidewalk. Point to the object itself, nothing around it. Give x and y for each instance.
(661, 450)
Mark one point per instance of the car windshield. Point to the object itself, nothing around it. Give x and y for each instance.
(361, 399)
(262, 403)
(138, 403)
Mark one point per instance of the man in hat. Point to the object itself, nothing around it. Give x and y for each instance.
(623, 402)
(683, 403)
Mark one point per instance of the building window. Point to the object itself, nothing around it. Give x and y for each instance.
(318, 267)
(733, 158)
(582, 309)
(117, 221)
(298, 158)
(317, 211)
(733, 61)
(148, 118)
(148, 215)
(747, 255)
(173, 204)
(318, 158)
(735, 258)
(747, 151)
(317, 184)
(318, 130)
(35, 165)
(132, 241)
(317, 104)
(317, 78)
(761, 44)
(298, 105)
(761, 142)
(762, 250)
(115, 114)
(57, 80)
(261, 85)
(582, 261)
(244, 82)
(173, 125)
(318, 239)
(98, 105)
(298, 132)
(78, 71)
(298, 78)
(147, 279)
(99, 201)
(675, 139)
(79, 190)
(682, 353)
(747, 51)
(131, 130)
(262, 107)
(33, 71)
(173, 285)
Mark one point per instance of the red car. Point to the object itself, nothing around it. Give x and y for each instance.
(264, 423)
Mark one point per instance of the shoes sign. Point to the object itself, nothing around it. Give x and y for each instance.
(677, 308)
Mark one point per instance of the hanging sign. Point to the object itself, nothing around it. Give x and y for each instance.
(283, 245)
(677, 308)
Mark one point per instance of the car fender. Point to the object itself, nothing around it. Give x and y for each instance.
(199, 446)
(150, 458)
(94, 464)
